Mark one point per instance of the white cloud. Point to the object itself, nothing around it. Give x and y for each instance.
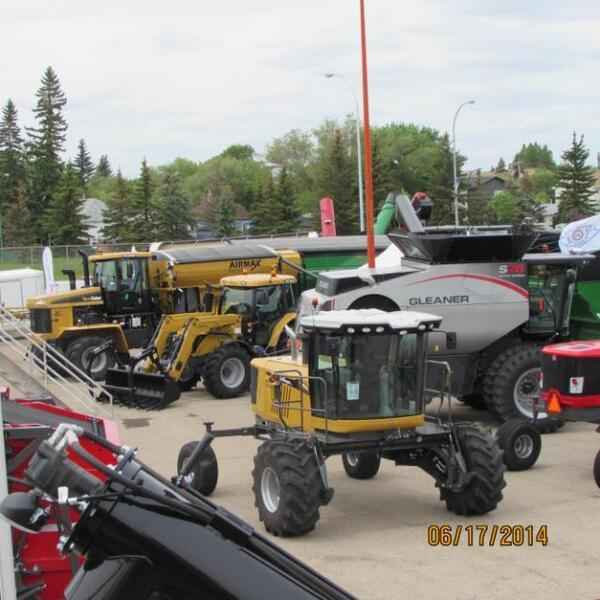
(162, 80)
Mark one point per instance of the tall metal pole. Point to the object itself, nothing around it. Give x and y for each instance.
(454, 159)
(368, 150)
(359, 156)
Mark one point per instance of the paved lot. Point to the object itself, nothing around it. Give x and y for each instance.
(372, 538)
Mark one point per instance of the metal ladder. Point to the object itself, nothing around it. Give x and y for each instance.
(35, 356)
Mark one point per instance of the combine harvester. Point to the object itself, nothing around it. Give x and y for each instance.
(499, 306)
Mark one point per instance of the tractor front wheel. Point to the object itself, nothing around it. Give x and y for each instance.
(361, 465)
(227, 372)
(205, 471)
(287, 487)
(485, 470)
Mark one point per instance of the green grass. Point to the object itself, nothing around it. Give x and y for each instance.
(59, 264)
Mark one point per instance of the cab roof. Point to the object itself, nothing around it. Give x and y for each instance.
(370, 318)
(252, 280)
(116, 255)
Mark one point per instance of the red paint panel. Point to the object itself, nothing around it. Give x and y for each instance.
(487, 278)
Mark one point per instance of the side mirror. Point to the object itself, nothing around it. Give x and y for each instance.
(22, 510)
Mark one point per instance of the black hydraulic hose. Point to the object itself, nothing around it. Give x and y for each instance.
(189, 510)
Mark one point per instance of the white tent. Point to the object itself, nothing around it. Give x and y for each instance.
(16, 285)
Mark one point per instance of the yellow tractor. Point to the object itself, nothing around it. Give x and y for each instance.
(359, 393)
(126, 293)
(250, 317)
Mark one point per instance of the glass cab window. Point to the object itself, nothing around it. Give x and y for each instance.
(368, 376)
(237, 301)
(550, 297)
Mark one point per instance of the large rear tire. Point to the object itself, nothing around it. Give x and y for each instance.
(483, 459)
(361, 465)
(287, 487)
(227, 372)
(79, 351)
(206, 470)
(512, 383)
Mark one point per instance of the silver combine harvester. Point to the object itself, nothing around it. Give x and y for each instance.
(499, 305)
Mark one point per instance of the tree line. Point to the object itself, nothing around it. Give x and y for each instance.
(41, 193)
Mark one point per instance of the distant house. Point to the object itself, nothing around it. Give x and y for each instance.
(486, 184)
(202, 229)
(92, 211)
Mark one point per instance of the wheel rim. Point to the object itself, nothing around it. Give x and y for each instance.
(523, 446)
(526, 392)
(352, 459)
(233, 372)
(99, 363)
(270, 489)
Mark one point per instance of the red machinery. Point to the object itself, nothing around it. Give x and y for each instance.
(571, 384)
(41, 571)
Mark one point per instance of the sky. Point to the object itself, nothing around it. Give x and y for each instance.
(180, 78)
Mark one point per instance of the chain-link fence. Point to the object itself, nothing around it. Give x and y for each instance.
(65, 257)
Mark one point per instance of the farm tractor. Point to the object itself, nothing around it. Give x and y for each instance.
(359, 392)
(249, 319)
(126, 293)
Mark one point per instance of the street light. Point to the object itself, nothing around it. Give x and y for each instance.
(361, 202)
(454, 159)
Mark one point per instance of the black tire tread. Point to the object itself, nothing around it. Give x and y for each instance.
(597, 469)
(483, 457)
(367, 467)
(206, 470)
(212, 379)
(505, 436)
(77, 347)
(301, 487)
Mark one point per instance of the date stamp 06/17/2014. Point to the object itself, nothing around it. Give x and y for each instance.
(487, 535)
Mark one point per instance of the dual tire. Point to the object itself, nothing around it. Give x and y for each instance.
(511, 385)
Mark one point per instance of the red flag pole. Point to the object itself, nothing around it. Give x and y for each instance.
(368, 151)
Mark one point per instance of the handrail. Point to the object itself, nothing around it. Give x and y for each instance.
(43, 357)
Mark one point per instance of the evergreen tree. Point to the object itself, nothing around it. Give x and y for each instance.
(264, 220)
(64, 220)
(12, 164)
(576, 179)
(118, 215)
(17, 229)
(144, 218)
(285, 208)
(382, 184)
(334, 179)
(45, 145)
(501, 166)
(103, 169)
(223, 213)
(84, 165)
(173, 209)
